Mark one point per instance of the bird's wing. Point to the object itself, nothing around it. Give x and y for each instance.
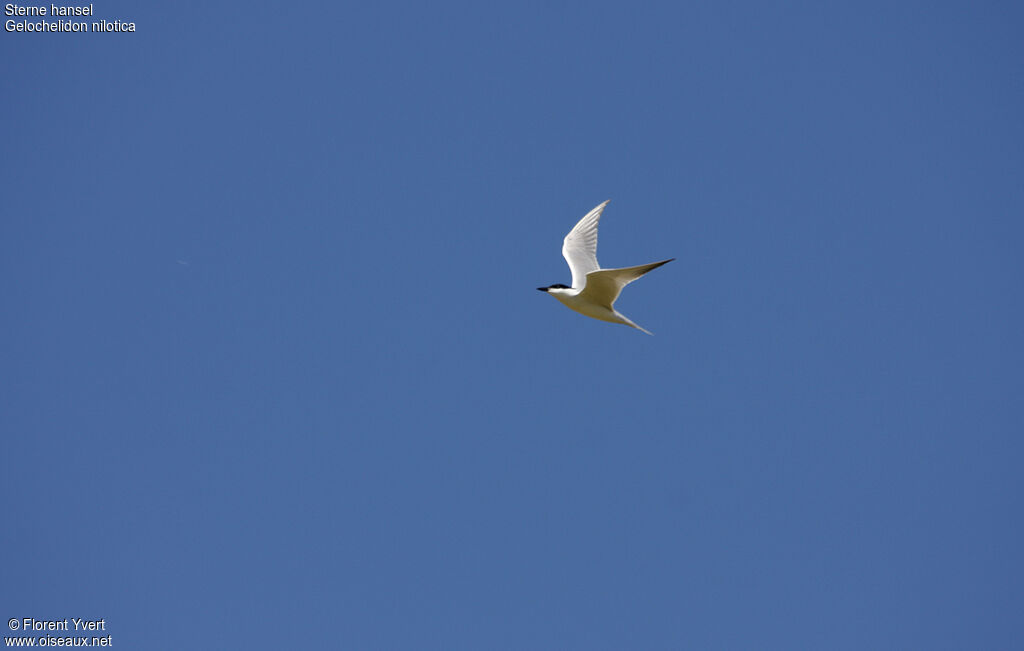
(604, 286)
(580, 246)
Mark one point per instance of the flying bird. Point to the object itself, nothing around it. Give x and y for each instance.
(594, 290)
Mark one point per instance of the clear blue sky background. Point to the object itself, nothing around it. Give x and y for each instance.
(275, 373)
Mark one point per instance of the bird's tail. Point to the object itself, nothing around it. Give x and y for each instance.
(627, 321)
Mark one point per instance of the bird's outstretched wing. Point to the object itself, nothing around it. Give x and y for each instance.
(580, 247)
(604, 286)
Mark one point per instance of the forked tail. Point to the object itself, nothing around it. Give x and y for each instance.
(627, 321)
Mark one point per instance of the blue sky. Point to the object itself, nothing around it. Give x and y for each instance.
(275, 373)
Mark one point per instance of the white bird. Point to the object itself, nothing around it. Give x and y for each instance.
(594, 290)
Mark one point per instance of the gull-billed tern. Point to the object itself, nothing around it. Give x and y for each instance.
(594, 290)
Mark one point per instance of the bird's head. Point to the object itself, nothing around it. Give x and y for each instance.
(554, 289)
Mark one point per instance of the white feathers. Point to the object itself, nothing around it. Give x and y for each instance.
(579, 248)
(594, 290)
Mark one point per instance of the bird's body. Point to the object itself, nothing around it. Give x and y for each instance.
(594, 290)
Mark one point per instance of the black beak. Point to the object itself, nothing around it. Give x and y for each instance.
(542, 289)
